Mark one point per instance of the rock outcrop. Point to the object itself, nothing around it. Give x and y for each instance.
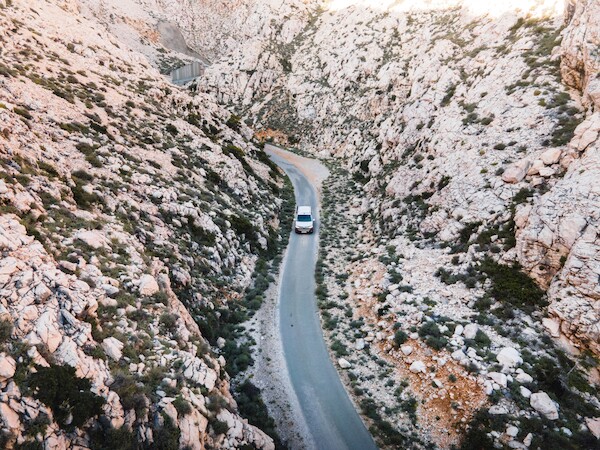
(122, 203)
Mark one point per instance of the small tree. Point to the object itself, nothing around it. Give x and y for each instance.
(67, 395)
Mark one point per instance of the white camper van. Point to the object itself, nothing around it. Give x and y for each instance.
(304, 223)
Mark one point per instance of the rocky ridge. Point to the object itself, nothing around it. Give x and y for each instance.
(126, 212)
(472, 131)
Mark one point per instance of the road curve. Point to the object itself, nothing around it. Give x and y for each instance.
(330, 415)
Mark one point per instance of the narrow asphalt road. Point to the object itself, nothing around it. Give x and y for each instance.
(329, 413)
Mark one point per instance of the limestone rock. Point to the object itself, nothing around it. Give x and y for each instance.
(594, 426)
(344, 364)
(516, 172)
(498, 378)
(417, 367)
(113, 348)
(470, 331)
(551, 156)
(95, 239)
(526, 393)
(509, 357)
(542, 403)
(10, 419)
(406, 349)
(148, 285)
(7, 367)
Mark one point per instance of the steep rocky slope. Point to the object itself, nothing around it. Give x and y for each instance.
(472, 130)
(458, 277)
(461, 103)
(133, 216)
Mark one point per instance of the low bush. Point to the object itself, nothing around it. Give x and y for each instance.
(182, 406)
(252, 407)
(400, 337)
(112, 439)
(511, 286)
(432, 335)
(219, 427)
(6, 328)
(166, 437)
(130, 392)
(68, 396)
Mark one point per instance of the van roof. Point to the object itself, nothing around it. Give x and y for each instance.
(304, 210)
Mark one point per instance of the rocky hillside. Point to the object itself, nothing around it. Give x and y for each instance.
(459, 105)
(458, 277)
(133, 216)
(472, 131)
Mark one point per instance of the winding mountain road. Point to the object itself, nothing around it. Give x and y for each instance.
(329, 413)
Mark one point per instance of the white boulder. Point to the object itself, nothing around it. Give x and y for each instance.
(93, 238)
(516, 172)
(7, 367)
(498, 378)
(148, 285)
(509, 357)
(551, 156)
(542, 403)
(406, 349)
(417, 366)
(113, 348)
(470, 331)
(344, 363)
(594, 426)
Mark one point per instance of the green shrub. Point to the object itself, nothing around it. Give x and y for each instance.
(241, 225)
(172, 129)
(252, 407)
(511, 286)
(477, 436)
(169, 321)
(400, 337)
(182, 406)
(66, 395)
(130, 392)
(219, 427)
(6, 329)
(84, 199)
(23, 113)
(167, 436)
(48, 168)
(112, 439)
(85, 148)
(82, 175)
(234, 122)
(432, 335)
(449, 94)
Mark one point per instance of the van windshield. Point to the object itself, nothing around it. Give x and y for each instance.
(304, 218)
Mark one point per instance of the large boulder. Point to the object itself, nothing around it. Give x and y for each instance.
(542, 403)
(551, 156)
(113, 348)
(417, 367)
(93, 238)
(594, 426)
(344, 363)
(7, 367)
(516, 172)
(470, 331)
(8, 417)
(509, 357)
(148, 285)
